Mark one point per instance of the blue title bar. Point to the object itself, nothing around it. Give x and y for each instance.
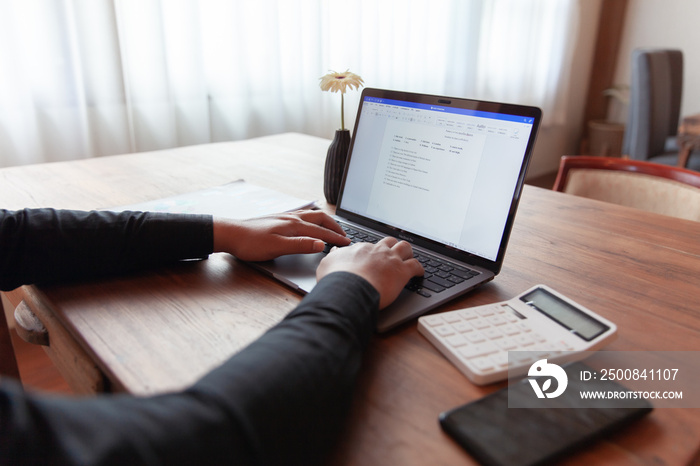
(459, 111)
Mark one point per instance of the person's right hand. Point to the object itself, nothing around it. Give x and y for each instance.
(387, 266)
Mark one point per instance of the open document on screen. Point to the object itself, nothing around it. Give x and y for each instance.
(446, 174)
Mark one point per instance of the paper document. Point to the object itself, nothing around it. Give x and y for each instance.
(237, 199)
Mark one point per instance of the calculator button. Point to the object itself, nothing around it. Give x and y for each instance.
(480, 323)
(444, 330)
(487, 311)
(480, 349)
(483, 363)
(456, 340)
(537, 337)
(492, 333)
(558, 346)
(469, 315)
(500, 359)
(475, 337)
(510, 330)
(497, 320)
(463, 327)
(506, 344)
(524, 340)
(523, 326)
(433, 320)
(452, 317)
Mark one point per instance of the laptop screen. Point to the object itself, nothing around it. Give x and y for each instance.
(446, 171)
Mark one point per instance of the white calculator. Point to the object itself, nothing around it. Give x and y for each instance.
(540, 321)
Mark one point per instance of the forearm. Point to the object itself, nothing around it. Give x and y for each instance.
(43, 245)
(281, 400)
(291, 389)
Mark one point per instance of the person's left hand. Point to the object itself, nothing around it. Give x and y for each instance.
(264, 238)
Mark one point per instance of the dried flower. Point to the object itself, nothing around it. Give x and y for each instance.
(339, 82)
(335, 82)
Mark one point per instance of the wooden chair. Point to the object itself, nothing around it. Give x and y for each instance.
(656, 89)
(8, 361)
(664, 189)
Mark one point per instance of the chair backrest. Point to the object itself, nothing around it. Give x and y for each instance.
(656, 89)
(654, 187)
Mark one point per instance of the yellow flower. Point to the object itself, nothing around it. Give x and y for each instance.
(339, 82)
(335, 82)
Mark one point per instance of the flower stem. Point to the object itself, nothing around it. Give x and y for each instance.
(342, 111)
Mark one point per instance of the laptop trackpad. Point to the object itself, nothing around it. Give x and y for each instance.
(295, 270)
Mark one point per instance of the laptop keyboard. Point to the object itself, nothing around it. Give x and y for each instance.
(439, 274)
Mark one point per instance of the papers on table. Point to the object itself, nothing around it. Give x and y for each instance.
(237, 199)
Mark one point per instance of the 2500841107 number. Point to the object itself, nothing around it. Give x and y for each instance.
(638, 374)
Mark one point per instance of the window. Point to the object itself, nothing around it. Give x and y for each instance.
(89, 78)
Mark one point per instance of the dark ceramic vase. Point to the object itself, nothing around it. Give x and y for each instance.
(335, 164)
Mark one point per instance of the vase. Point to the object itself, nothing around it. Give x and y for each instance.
(335, 164)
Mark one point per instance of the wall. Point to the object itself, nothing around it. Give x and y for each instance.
(648, 23)
(663, 24)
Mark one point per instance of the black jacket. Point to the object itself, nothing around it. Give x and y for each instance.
(279, 401)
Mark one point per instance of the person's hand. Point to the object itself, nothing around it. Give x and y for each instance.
(264, 238)
(387, 265)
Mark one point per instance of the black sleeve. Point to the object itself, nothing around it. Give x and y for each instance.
(280, 401)
(47, 245)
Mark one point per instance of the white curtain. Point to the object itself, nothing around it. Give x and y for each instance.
(84, 78)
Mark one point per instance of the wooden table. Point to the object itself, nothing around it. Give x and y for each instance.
(159, 331)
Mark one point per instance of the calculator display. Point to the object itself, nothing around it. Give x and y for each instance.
(565, 314)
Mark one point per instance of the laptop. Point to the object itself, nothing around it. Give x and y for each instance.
(444, 174)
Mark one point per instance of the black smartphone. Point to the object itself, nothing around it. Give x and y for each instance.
(497, 435)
